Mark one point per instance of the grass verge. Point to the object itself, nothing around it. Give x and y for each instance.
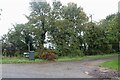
(113, 64)
(23, 60)
(85, 57)
(20, 60)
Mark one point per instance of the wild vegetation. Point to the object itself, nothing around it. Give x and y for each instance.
(67, 28)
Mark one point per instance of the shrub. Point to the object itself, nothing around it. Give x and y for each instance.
(17, 54)
(48, 55)
(75, 53)
(94, 52)
(36, 54)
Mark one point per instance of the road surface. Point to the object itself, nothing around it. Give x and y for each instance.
(73, 69)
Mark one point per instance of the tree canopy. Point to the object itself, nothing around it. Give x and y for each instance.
(67, 28)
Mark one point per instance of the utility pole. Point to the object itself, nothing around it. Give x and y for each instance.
(118, 22)
(91, 17)
(0, 13)
(119, 7)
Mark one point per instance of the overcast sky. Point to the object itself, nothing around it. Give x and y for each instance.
(14, 10)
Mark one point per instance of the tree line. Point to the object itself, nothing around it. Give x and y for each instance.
(67, 28)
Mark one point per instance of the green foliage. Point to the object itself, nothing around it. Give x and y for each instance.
(36, 55)
(102, 37)
(67, 28)
(14, 41)
(70, 51)
(65, 31)
(18, 54)
(111, 29)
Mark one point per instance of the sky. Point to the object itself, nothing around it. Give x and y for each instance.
(14, 11)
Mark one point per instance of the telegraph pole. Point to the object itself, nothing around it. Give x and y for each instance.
(91, 17)
(0, 13)
(118, 22)
(119, 7)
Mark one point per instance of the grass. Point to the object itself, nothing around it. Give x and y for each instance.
(23, 60)
(113, 64)
(20, 60)
(85, 57)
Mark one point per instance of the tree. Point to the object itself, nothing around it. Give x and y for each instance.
(67, 27)
(38, 21)
(95, 39)
(14, 41)
(111, 27)
(118, 29)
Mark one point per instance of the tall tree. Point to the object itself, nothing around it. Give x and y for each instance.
(14, 41)
(67, 27)
(38, 21)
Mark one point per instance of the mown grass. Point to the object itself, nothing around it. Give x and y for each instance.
(113, 64)
(24, 60)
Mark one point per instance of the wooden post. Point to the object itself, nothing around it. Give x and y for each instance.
(119, 46)
(28, 46)
(118, 22)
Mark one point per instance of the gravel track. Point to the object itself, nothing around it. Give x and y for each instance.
(71, 69)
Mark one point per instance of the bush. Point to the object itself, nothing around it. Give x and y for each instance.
(69, 51)
(75, 53)
(93, 52)
(48, 55)
(36, 54)
(17, 54)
